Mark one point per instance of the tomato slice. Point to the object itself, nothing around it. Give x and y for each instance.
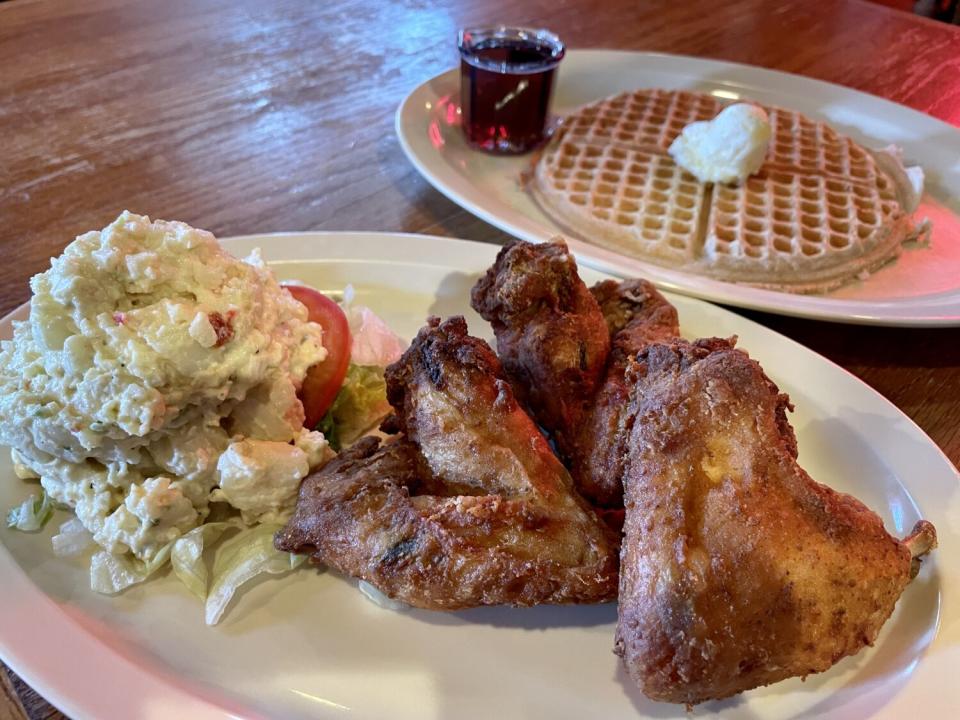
(323, 380)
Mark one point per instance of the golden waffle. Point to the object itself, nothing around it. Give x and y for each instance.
(819, 213)
(643, 120)
(799, 144)
(803, 233)
(644, 202)
(652, 120)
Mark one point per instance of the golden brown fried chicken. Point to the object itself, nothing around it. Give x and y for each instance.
(738, 570)
(636, 315)
(566, 348)
(470, 507)
(551, 336)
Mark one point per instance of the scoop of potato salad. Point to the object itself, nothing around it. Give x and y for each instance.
(158, 374)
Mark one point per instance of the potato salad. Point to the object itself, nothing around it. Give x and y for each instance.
(155, 379)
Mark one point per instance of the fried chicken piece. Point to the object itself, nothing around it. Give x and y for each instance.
(544, 319)
(636, 315)
(470, 507)
(551, 336)
(738, 570)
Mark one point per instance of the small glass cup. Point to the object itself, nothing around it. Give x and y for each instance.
(506, 79)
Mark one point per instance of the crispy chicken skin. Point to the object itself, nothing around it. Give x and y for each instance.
(737, 569)
(551, 335)
(566, 347)
(469, 507)
(636, 315)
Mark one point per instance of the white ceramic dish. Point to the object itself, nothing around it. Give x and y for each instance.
(921, 288)
(309, 645)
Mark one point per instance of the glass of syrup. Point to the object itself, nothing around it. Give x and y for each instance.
(506, 78)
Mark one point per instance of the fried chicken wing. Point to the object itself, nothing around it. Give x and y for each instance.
(636, 315)
(551, 335)
(469, 507)
(545, 318)
(738, 570)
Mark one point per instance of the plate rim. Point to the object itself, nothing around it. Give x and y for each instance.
(941, 310)
(142, 684)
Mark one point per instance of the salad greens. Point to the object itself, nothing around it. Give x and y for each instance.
(110, 574)
(241, 558)
(361, 403)
(362, 400)
(186, 558)
(32, 514)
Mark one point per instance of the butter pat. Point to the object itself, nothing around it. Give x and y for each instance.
(727, 149)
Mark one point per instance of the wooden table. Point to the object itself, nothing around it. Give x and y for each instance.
(242, 117)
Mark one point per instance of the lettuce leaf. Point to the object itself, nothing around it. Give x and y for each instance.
(32, 514)
(241, 558)
(362, 400)
(360, 404)
(186, 557)
(330, 431)
(110, 574)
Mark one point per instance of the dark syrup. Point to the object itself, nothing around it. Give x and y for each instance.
(505, 88)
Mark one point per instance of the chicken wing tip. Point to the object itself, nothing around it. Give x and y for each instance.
(922, 539)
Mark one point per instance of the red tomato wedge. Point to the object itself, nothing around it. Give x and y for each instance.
(323, 380)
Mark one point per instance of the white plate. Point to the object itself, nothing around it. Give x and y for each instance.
(921, 288)
(308, 645)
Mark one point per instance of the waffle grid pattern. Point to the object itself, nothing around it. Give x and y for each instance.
(643, 199)
(801, 145)
(818, 208)
(786, 216)
(649, 120)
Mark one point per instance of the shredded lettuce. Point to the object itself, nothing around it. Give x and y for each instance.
(378, 598)
(241, 558)
(360, 404)
(331, 433)
(110, 574)
(32, 514)
(362, 400)
(186, 557)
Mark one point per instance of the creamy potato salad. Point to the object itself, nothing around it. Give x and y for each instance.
(156, 375)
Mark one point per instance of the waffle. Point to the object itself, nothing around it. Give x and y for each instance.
(643, 120)
(819, 213)
(646, 204)
(803, 233)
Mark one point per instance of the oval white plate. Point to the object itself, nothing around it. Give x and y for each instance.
(309, 645)
(921, 288)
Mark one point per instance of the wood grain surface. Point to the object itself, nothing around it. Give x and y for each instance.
(10, 706)
(241, 117)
